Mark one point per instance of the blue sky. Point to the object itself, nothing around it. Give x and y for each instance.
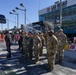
(32, 7)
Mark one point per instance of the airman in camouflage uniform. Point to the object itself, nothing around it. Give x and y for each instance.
(52, 42)
(37, 45)
(42, 41)
(8, 43)
(30, 45)
(45, 38)
(62, 40)
(25, 44)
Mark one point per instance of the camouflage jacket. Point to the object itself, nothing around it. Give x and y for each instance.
(25, 41)
(62, 39)
(37, 42)
(52, 42)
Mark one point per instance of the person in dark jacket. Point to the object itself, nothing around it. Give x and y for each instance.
(8, 43)
(20, 41)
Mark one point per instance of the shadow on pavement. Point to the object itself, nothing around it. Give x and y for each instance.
(68, 62)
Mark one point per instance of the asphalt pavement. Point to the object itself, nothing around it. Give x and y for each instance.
(19, 65)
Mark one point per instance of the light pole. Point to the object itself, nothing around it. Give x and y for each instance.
(24, 13)
(1, 26)
(7, 24)
(60, 12)
(17, 18)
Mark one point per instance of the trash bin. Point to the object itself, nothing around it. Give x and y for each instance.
(66, 47)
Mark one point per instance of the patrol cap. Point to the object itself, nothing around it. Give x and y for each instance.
(61, 30)
(52, 31)
(41, 34)
(23, 30)
(30, 32)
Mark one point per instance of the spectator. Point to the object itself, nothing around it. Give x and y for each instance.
(8, 43)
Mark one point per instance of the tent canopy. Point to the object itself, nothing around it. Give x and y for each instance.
(2, 19)
(48, 25)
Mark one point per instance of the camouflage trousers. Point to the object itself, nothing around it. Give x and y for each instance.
(41, 51)
(25, 51)
(36, 52)
(51, 54)
(60, 52)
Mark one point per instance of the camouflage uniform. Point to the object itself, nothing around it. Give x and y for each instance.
(30, 47)
(25, 45)
(37, 44)
(62, 40)
(8, 43)
(45, 38)
(42, 41)
(51, 50)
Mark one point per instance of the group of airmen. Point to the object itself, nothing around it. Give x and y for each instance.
(31, 45)
(55, 46)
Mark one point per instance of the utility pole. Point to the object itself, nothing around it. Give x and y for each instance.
(60, 12)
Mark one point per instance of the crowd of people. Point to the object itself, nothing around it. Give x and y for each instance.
(31, 45)
(2, 36)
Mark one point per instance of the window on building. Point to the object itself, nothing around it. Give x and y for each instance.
(41, 18)
(69, 11)
(53, 7)
(58, 6)
(64, 4)
(64, 12)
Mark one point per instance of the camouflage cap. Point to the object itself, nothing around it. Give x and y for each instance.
(41, 34)
(61, 30)
(52, 31)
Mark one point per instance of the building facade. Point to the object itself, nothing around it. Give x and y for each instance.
(52, 14)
